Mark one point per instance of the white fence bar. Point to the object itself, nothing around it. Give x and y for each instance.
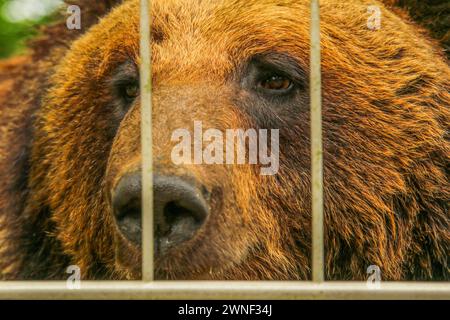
(146, 143)
(223, 290)
(316, 147)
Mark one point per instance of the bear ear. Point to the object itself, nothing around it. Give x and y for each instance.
(57, 34)
(431, 16)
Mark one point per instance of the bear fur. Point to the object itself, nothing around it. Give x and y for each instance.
(386, 96)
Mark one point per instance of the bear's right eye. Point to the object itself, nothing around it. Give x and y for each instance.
(125, 84)
(131, 91)
(127, 92)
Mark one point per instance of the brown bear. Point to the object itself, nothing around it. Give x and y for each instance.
(70, 151)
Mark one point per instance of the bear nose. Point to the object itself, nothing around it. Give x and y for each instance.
(179, 210)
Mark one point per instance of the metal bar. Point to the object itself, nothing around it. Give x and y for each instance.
(146, 143)
(316, 147)
(223, 290)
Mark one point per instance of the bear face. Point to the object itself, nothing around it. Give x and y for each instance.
(245, 65)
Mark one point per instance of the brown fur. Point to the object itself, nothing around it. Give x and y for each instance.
(433, 15)
(385, 98)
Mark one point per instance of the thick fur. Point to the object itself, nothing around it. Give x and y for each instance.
(430, 14)
(386, 119)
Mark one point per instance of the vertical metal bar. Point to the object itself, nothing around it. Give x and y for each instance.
(316, 147)
(146, 142)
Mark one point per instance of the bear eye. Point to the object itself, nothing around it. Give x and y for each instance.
(276, 83)
(131, 91)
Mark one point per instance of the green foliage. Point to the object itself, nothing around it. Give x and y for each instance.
(13, 35)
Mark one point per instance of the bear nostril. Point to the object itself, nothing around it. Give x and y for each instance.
(129, 224)
(179, 223)
(126, 203)
(179, 210)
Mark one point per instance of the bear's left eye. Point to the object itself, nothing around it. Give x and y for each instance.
(273, 76)
(276, 83)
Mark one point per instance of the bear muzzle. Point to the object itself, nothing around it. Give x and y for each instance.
(180, 210)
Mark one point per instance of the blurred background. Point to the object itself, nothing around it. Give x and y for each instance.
(18, 22)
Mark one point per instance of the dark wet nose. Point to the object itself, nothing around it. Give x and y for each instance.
(179, 209)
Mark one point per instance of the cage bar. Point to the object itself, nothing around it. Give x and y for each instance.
(316, 146)
(228, 290)
(146, 142)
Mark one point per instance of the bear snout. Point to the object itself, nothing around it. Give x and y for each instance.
(180, 210)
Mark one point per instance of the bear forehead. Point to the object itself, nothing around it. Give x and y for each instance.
(196, 40)
(200, 35)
